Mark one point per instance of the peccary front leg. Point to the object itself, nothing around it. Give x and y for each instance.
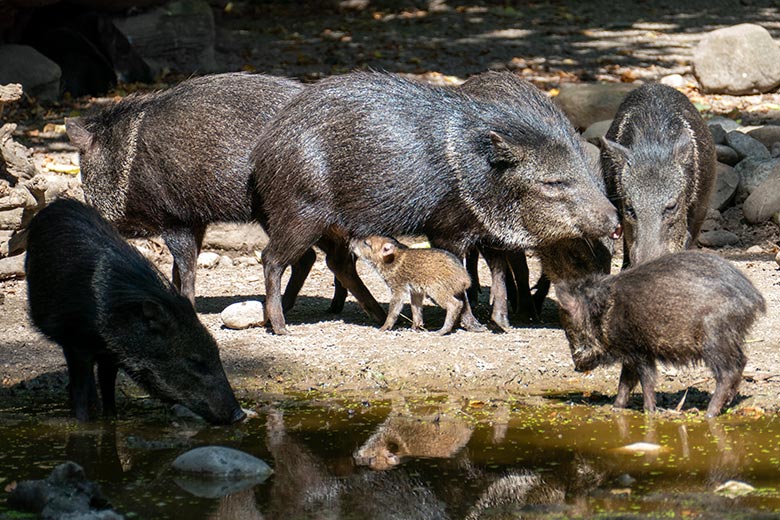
(417, 305)
(393, 310)
(727, 383)
(184, 244)
(628, 380)
(647, 376)
(498, 294)
(107, 370)
(542, 289)
(274, 314)
(81, 382)
(522, 303)
(339, 297)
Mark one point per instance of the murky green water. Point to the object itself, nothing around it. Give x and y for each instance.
(446, 460)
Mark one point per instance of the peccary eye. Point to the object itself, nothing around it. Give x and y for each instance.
(555, 184)
(671, 207)
(629, 211)
(366, 242)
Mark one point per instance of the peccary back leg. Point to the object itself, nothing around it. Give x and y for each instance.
(339, 297)
(81, 382)
(628, 380)
(523, 303)
(418, 298)
(300, 270)
(498, 293)
(472, 266)
(542, 289)
(727, 381)
(454, 308)
(184, 244)
(647, 375)
(107, 370)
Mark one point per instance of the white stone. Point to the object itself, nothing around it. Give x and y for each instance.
(734, 488)
(243, 315)
(219, 461)
(208, 260)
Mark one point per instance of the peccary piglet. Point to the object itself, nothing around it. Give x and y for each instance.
(658, 160)
(104, 303)
(377, 154)
(679, 309)
(419, 272)
(169, 163)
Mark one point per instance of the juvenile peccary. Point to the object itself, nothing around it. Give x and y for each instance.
(400, 437)
(376, 154)
(104, 303)
(169, 163)
(679, 309)
(419, 272)
(658, 160)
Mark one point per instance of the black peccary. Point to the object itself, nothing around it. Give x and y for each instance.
(169, 163)
(376, 154)
(678, 309)
(104, 303)
(658, 160)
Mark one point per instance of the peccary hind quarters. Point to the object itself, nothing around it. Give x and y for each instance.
(658, 159)
(418, 272)
(679, 309)
(171, 162)
(104, 303)
(376, 154)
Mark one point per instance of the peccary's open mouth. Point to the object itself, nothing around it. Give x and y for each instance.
(617, 233)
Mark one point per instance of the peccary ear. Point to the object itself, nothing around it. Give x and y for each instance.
(157, 317)
(78, 133)
(388, 252)
(683, 147)
(503, 152)
(617, 152)
(570, 304)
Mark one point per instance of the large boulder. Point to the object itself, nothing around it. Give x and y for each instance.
(763, 202)
(726, 184)
(38, 75)
(588, 103)
(743, 59)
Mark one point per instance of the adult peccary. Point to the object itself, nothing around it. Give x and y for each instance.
(104, 303)
(679, 309)
(658, 160)
(171, 162)
(376, 154)
(509, 268)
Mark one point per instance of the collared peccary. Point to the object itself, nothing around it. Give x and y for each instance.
(169, 163)
(509, 268)
(658, 160)
(376, 154)
(418, 272)
(679, 309)
(104, 303)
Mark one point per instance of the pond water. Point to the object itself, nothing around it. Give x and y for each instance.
(441, 459)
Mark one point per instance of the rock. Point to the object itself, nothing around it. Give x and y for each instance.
(225, 261)
(596, 130)
(15, 159)
(768, 135)
(243, 315)
(718, 133)
(718, 238)
(17, 198)
(726, 154)
(755, 250)
(763, 202)
(208, 260)
(775, 150)
(48, 188)
(235, 237)
(752, 172)
(742, 59)
(38, 75)
(777, 258)
(11, 218)
(746, 146)
(12, 267)
(221, 462)
(245, 260)
(10, 93)
(724, 122)
(64, 494)
(712, 221)
(587, 103)
(734, 488)
(216, 488)
(674, 81)
(178, 36)
(625, 480)
(726, 183)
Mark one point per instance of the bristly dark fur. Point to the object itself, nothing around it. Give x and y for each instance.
(658, 160)
(680, 309)
(104, 303)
